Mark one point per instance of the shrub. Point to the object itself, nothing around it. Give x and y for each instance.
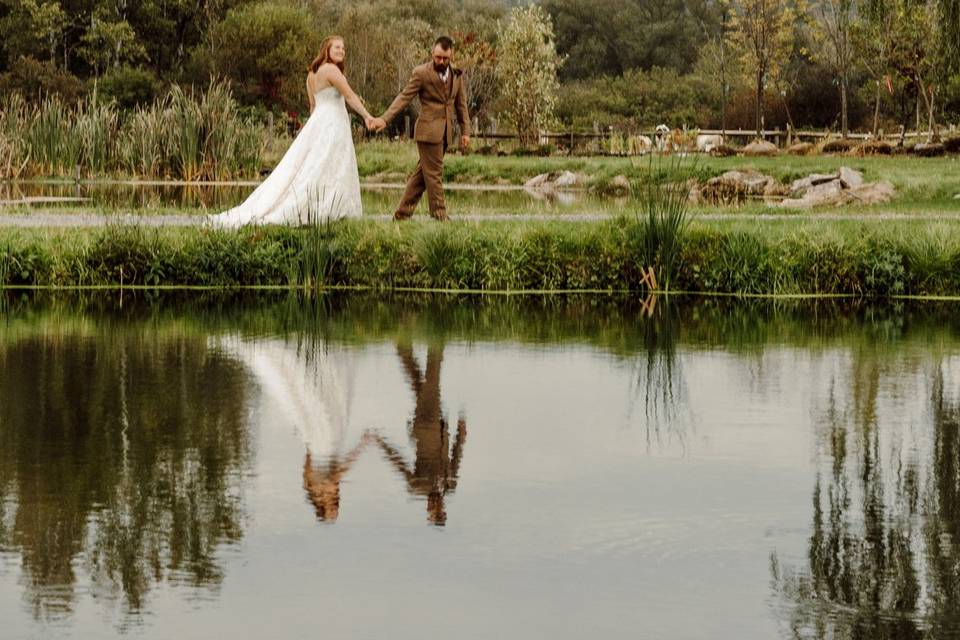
(128, 87)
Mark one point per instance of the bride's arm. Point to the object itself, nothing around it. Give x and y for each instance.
(335, 77)
(313, 103)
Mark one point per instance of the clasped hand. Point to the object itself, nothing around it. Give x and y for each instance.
(375, 124)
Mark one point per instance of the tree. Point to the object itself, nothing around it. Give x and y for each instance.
(609, 37)
(110, 42)
(871, 35)
(264, 49)
(833, 20)
(527, 71)
(763, 30)
(32, 28)
(915, 40)
(478, 59)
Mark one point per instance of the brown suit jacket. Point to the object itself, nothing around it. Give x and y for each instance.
(439, 105)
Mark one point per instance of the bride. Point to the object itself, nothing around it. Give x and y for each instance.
(316, 180)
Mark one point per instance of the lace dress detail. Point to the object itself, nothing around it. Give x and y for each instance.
(315, 181)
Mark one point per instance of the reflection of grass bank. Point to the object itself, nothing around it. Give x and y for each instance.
(790, 256)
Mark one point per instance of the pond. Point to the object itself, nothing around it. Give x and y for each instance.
(263, 465)
(146, 198)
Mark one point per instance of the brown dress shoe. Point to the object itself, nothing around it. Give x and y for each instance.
(399, 216)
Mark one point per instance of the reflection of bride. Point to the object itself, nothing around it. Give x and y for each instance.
(312, 387)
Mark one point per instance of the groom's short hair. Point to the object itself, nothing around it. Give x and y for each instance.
(445, 42)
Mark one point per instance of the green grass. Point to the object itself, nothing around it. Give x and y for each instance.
(784, 257)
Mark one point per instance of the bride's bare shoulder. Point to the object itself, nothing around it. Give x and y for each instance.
(328, 70)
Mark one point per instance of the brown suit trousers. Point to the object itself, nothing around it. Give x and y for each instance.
(442, 104)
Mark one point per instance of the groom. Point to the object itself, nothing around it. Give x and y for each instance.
(443, 98)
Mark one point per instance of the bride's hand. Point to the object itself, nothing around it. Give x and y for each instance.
(370, 122)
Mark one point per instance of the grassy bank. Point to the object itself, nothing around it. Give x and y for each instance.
(882, 258)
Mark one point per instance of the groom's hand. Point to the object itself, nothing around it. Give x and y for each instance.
(379, 124)
(464, 142)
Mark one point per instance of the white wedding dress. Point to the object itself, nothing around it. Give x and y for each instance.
(315, 181)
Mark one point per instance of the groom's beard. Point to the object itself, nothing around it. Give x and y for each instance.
(440, 68)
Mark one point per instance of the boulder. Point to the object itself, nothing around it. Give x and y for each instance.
(874, 147)
(555, 180)
(801, 149)
(929, 149)
(760, 148)
(872, 193)
(850, 178)
(619, 184)
(735, 186)
(723, 151)
(800, 186)
(825, 193)
(836, 193)
(839, 145)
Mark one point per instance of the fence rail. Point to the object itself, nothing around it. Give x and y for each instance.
(776, 134)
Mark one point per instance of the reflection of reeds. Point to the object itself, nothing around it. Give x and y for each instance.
(658, 377)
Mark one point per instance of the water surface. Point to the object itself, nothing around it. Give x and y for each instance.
(478, 467)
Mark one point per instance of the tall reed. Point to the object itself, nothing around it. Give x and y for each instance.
(191, 135)
(663, 217)
(317, 214)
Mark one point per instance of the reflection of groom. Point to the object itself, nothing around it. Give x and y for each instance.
(443, 99)
(437, 465)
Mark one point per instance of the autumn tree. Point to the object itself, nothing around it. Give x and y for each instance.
(527, 72)
(763, 31)
(832, 28)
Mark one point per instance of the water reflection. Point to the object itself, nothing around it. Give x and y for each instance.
(824, 479)
(436, 466)
(377, 200)
(884, 553)
(123, 456)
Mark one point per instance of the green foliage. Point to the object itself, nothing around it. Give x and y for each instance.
(264, 49)
(35, 80)
(637, 99)
(661, 223)
(191, 136)
(824, 258)
(612, 37)
(527, 71)
(128, 87)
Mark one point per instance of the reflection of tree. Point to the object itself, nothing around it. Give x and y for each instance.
(436, 467)
(884, 553)
(125, 450)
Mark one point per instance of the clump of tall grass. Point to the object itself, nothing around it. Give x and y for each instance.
(317, 214)
(190, 135)
(662, 219)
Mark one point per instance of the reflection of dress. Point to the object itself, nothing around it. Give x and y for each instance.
(317, 178)
(312, 387)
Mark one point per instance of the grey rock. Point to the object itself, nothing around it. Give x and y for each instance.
(760, 148)
(850, 178)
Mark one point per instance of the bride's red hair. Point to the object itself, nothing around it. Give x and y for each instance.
(324, 56)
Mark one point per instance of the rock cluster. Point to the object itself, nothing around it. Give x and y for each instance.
(555, 180)
(734, 187)
(846, 186)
